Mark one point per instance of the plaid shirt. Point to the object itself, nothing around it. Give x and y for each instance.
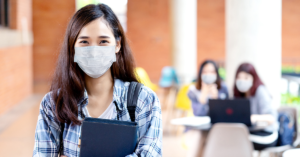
(148, 117)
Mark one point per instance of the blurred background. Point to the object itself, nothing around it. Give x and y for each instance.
(162, 33)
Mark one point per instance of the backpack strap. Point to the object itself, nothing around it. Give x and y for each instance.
(61, 140)
(132, 98)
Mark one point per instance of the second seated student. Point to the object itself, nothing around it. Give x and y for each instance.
(208, 86)
(92, 78)
(249, 85)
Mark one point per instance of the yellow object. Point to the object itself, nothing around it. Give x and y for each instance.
(190, 113)
(184, 142)
(182, 100)
(144, 78)
(184, 103)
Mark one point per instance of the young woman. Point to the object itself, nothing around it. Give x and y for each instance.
(249, 85)
(92, 77)
(208, 86)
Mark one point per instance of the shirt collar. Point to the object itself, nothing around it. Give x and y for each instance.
(118, 95)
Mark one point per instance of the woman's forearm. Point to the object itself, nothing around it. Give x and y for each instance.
(263, 118)
(203, 98)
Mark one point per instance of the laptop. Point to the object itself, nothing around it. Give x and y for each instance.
(230, 111)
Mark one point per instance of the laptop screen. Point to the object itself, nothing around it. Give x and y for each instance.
(230, 111)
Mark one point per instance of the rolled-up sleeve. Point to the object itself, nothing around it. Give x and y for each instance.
(265, 102)
(199, 109)
(47, 131)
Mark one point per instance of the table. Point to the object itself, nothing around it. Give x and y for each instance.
(292, 153)
(197, 123)
(203, 123)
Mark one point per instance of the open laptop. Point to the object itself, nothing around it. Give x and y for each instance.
(230, 111)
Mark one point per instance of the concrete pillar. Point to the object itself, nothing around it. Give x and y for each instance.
(253, 34)
(184, 38)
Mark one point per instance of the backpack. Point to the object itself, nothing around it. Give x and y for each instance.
(132, 99)
(286, 129)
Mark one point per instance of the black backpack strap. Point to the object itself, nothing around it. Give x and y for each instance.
(61, 140)
(132, 98)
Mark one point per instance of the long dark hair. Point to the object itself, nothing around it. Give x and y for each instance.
(248, 68)
(68, 83)
(199, 79)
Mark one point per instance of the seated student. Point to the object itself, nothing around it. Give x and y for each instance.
(208, 86)
(248, 85)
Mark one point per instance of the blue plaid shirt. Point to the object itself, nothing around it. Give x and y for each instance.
(148, 117)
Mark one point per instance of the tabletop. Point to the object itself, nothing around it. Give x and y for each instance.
(203, 123)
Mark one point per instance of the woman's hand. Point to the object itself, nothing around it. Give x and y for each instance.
(204, 93)
(213, 91)
(208, 91)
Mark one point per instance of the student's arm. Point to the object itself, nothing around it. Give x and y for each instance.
(225, 90)
(199, 109)
(263, 118)
(148, 113)
(47, 131)
(266, 111)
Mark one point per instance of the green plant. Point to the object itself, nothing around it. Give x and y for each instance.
(82, 3)
(290, 69)
(289, 99)
(222, 73)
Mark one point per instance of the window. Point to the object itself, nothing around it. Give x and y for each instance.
(4, 22)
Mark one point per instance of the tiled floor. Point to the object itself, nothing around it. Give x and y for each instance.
(17, 140)
(172, 147)
(12, 115)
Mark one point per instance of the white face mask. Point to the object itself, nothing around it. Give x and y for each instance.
(209, 78)
(243, 85)
(95, 60)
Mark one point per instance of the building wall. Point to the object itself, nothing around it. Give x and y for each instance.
(16, 56)
(211, 31)
(148, 24)
(49, 25)
(149, 34)
(291, 32)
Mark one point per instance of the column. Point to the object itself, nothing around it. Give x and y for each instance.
(184, 38)
(253, 34)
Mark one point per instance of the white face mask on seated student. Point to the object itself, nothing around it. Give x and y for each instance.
(244, 82)
(243, 85)
(209, 78)
(209, 74)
